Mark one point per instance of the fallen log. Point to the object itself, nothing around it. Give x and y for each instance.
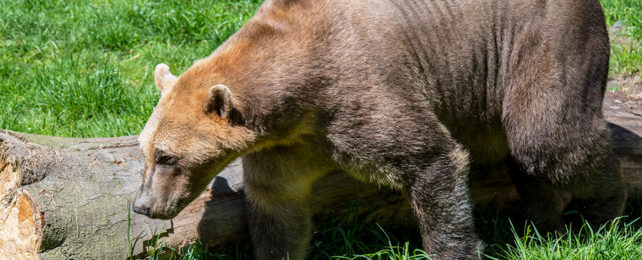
(63, 198)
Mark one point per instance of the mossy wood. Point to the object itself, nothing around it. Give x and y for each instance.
(64, 198)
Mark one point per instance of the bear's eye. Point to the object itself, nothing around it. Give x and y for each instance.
(164, 158)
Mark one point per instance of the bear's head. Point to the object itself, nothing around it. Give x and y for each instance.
(192, 134)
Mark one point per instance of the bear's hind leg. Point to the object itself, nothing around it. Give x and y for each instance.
(541, 202)
(600, 196)
(440, 201)
(553, 121)
(594, 189)
(554, 155)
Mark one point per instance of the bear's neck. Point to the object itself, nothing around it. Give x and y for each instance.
(272, 68)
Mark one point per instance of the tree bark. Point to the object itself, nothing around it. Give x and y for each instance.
(64, 198)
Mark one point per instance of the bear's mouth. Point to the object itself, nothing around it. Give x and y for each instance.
(175, 207)
(170, 212)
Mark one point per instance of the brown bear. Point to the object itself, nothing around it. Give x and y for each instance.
(407, 94)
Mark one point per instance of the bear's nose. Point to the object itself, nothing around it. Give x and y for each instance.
(141, 202)
(141, 210)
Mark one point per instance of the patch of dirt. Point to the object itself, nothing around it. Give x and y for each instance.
(625, 93)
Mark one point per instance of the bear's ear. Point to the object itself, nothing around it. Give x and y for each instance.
(219, 101)
(164, 78)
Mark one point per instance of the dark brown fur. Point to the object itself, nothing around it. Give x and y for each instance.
(408, 94)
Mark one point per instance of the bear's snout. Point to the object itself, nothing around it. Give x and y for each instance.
(141, 209)
(141, 203)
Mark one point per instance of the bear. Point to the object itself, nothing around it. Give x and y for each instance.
(405, 94)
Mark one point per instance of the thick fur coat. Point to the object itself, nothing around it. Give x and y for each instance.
(409, 94)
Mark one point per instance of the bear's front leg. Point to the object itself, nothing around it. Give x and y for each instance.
(280, 228)
(439, 199)
(278, 184)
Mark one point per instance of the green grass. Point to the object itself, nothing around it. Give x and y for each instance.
(626, 12)
(626, 59)
(626, 47)
(611, 241)
(83, 68)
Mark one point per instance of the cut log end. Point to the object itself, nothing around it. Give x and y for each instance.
(21, 226)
